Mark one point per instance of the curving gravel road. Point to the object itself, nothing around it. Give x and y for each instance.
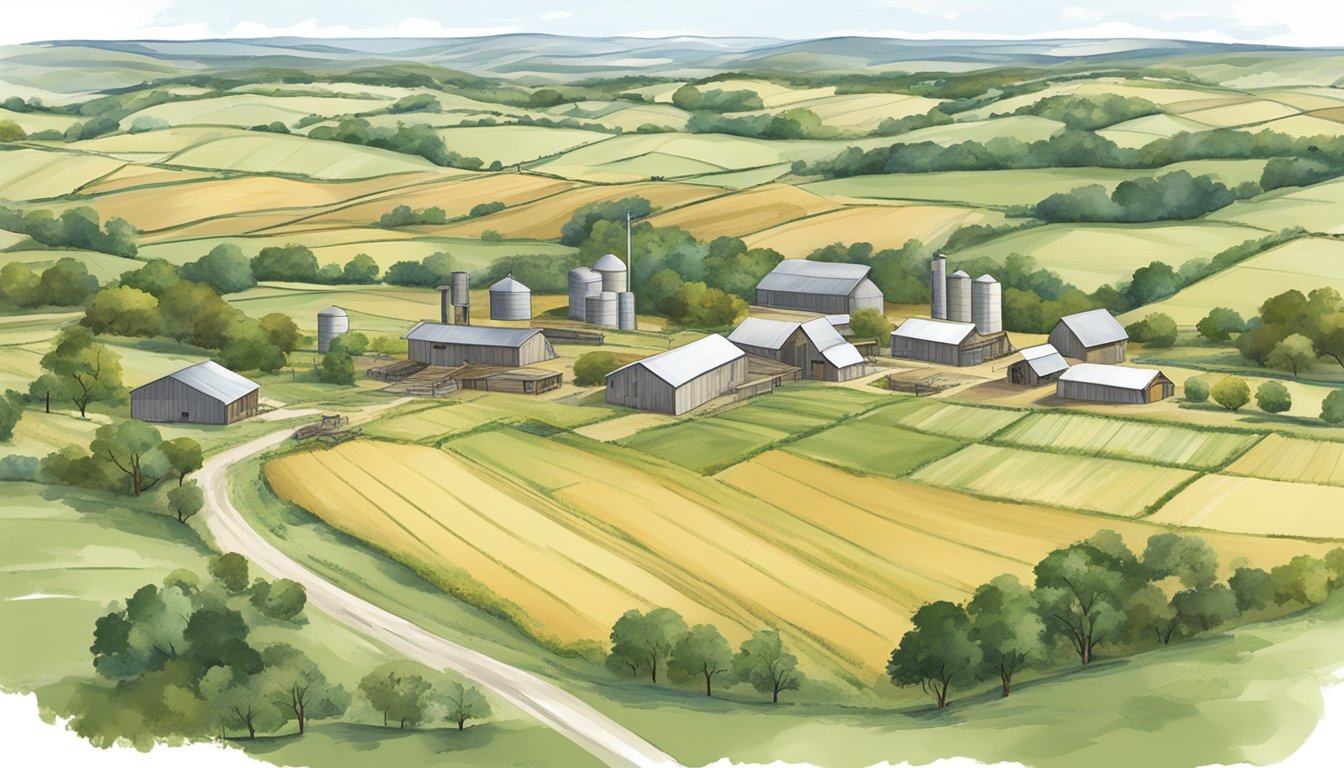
(607, 740)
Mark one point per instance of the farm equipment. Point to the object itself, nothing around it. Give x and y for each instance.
(331, 429)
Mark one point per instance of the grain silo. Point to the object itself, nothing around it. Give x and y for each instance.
(938, 287)
(625, 311)
(510, 300)
(601, 309)
(583, 282)
(959, 297)
(987, 304)
(461, 283)
(445, 303)
(615, 277)
(331, 322)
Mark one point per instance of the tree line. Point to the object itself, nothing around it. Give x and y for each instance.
(1096, 596)
(79, 227)
(183, 660)
(659, 642)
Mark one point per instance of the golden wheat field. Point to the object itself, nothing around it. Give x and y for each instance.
(746, 212)
(886, 226)
(543, 219)
(1299, 461)
(1256, 505)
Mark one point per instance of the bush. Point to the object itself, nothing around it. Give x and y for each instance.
(591, 368)
(1231, 392)
(11, 131)
(337, 368)
(1176, 195)
(1332, 409)
(1196, 390)
(492, 236)
(280, 599)
(580, 225)
(405, 216)
(430, 272)
(485, 209)
(1273, 397)
(1156, 330)
(224, 268)
(288, 263)
(17, 467)
(1220, 324)
(11, 410)
(145, 123)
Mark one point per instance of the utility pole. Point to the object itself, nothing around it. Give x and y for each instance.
(630, 265)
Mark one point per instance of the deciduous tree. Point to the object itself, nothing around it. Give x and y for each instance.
(701, 652)
(1231, 392)
(764, 664)
(642, 642)
(132, 446)
(463, 703)
(938, 651)
(88, 371)
(1007, 628)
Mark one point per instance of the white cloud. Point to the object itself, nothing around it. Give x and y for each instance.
(555, 15)
(1081, 14)
(413, 27)
(80, 19)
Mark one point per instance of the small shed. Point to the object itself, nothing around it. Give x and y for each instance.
(680, 379)
(1093, 337)
(1114, 384)
(1039, 365)
(947, 342)
(453, 345)
(205, 393)
(824, 287)
(815, 347)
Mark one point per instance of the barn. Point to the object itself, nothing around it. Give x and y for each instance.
(1093, 337)
(205, 393)
(1114, 384)
(824, 287)
(453, 345)
(1039, 365)
(947, 342)
(815, 347)
(680, 379)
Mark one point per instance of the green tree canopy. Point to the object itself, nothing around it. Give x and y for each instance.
(763, 663)
(401, 694)
(462, 703)
(1273, 397)
(133, 447)
(1231, 392)
(938, 651)
(702, 652)
(642, 642)
(1006, 627)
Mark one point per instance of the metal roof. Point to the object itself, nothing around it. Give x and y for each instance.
(1044, 359)
(584, 273)
(332, 311)
(215, 381)
(803, 276)
(939, 331)
(472, 335)
(1118, 376)
(609, 263)
(509, 285)
(986, 279)
(1095, 327)
(689, 361)
(959, 274)
(766, 334)
(831, 344)
(838, 319)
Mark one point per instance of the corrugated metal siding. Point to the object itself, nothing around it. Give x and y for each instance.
(530, 352)
(974, 350)
(169, 400)
(710, 385)
(1160, 389)
(1068, 345)
(825, 304)
(1021, 372)
(635, 387)
(799, 351)
(866, 295)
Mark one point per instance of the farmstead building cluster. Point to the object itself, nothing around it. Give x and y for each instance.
(680, 379)
(815, 347)
(827, 288)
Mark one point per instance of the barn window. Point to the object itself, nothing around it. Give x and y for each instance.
(440, 346)
(185, 415)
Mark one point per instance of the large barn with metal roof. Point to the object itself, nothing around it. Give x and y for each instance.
(1039, 365)
(815, 347)
(1093, 337)
(680, 379)
(205, 393)
(453, 345)
(1114, 384)
(946, 342)
(824, 287)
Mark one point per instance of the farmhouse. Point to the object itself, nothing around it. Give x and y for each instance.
(453, 345)
(205, 393)
(1114, 384)
(946, 342)
(814, 346)
(680, 379)
(823, 287)
(1093, 337)
(1039, 365)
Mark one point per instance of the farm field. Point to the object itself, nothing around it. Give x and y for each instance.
(1259, 506)
(543, 219)
(885, 226)
(943, 418)
(1109, 486)
(264, 152)
(477, 409)
(745, 212)
(1295, 460)
(866, 446)
(1164, 444)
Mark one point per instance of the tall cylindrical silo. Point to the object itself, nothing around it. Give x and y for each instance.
(583, 282)
(938, 287)
(625, 311)
(959, 297)
(510, 300)
(445, 303)
(461, 283)
(331, 322)
(615, 278)
(987, 304)
(601, 309)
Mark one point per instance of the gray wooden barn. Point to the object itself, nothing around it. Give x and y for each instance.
(824, 287)
(815, 346)
(1093, 337)
(680, 379)
(450, 346)
(1039, 365)
(947, 342)
(205, 393)
(1114, 384)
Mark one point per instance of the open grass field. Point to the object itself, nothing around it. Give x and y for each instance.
(1300, 265)
(1310, 207)
(1259, 506)
(103, 266)
(866, 446)
(1108, 486)
(264, 153)
(31, 174)
(1164, 444)
(255, 109)
(1295, 460)
(942, 418)
(479, 408)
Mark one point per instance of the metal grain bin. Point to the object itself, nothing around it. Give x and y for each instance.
(987, 305)
(959, 297)
(583, 282)
(625, 311)
(331, 322)
(461, 289)
(510, 300)
(601, 309)
(615, 278)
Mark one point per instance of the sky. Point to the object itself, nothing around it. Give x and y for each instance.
(1281, 22)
